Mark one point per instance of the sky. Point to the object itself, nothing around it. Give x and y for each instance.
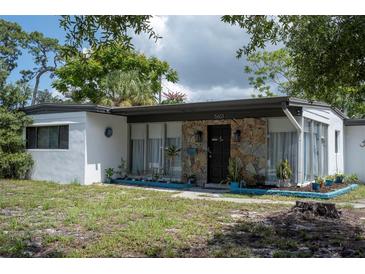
(201, 48)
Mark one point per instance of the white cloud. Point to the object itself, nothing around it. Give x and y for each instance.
(55, 92)
(214, 93)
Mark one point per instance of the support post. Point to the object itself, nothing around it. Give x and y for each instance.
(299, 128)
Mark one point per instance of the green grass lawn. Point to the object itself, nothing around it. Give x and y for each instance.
(105, 220)
(40, 219)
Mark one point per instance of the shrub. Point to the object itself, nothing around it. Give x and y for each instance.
(351, 178)
(15, 162)
(283, 171)
(234, 170)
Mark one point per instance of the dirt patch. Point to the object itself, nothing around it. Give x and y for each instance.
(288, 234)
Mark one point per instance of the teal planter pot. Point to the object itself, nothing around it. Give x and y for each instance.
(328, 183)
(234, 185)
(316, 186)
(338, 180)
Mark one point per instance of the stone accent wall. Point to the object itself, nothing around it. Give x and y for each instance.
(252, 148)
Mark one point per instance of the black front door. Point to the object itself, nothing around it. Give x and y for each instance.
(219, 143)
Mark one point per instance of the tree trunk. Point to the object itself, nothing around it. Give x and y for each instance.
(37, 80)
(327, 210)
(35, 90)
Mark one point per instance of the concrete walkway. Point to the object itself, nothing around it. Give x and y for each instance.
(219, 197)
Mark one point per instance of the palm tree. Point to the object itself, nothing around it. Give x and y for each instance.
(126, 88)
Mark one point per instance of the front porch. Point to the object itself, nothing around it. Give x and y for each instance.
(204, 148)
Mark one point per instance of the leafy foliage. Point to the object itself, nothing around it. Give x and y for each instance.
(283, 171)
(12, 39)
(270, 68)
(45, 53)
(83, 75)
(94, 31)
(14, 161)
(173, 97)
(126, 88)
(172, 152)
(324, 55)
(235, 170)
(45, 96)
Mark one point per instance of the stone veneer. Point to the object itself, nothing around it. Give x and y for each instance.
(252, 148)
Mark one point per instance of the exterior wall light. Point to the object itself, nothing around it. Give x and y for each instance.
(198, 135)
(237, 136)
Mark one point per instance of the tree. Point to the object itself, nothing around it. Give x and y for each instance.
(83, 74)
(45, 96)
(125, 88)
(270, 70)
(326, 54)
(45, 55)
(15, 162)
(174, 97)
(93, 31)
(12, 39)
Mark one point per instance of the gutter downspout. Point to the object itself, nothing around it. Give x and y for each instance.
(299, 129)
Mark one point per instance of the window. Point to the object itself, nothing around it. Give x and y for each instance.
(53, 137)
(337, 139)
(315, 149)
(282, 146)
(148, 143)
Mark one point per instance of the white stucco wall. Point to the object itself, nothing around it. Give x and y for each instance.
(354, 153)
(335, 122)
(61, 165)
(103, 152)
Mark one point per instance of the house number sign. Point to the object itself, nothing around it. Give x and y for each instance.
(218, 116)
(362, 144)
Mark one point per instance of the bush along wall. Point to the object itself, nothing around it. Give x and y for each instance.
(15, 162)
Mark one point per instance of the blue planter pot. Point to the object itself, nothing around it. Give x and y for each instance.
(316, 186)
(338, 180)
(328, 183)
(234, 185)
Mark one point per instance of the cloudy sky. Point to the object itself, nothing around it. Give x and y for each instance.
(201, 49)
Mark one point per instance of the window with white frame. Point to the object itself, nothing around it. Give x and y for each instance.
(155, 147)
(148, 148)
(315, 149)
(282, 146)
(138, 136)
(173, 138)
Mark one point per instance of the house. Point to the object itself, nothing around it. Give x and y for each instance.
(77, 142)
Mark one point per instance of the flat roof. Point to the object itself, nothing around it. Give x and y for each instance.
(252, 107)
(355, 122)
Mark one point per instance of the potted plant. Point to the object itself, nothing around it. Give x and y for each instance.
(109, 172)
(191, 179)
(234, 173)
(284, 173)
(171, 152)
(122, 169)
(339, 178)
(260, 179)
(351, 179)
(318, 183)
(329, 180)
